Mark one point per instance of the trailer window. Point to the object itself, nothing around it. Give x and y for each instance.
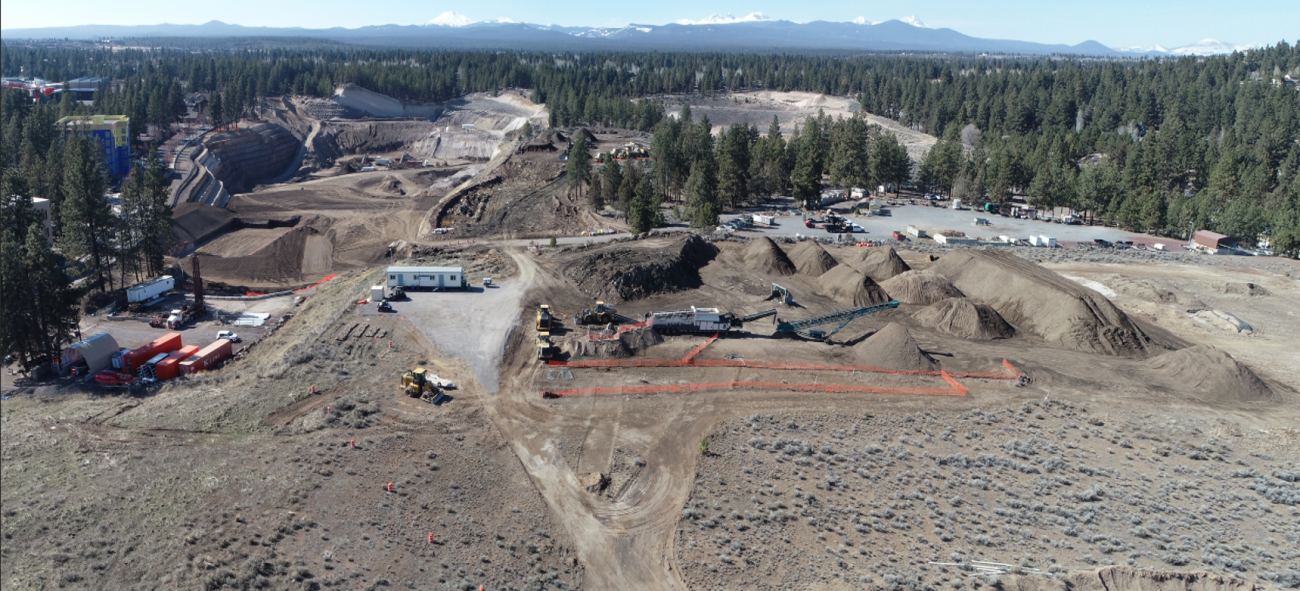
(453, 277)
(392, 278)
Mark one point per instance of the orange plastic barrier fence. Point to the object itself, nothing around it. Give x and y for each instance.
(688, 362)
(679, 388)
(696, 351)
(953, 383)
(1011, 368)
(617, 333)
(317, 284)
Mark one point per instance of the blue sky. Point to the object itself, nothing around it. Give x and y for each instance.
(1117, 23)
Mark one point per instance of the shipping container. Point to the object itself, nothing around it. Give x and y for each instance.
(150, 289)
(170, 368)
(164, 344)
(207, 357)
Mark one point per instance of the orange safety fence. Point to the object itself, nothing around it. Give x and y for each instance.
(317, 284)
(953, 383)
(617, 333)
(741, 363)
(679, 388)
(1011, 368)
(696, 351)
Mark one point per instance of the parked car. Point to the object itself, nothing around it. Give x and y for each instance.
(856, 229)
(229, 336)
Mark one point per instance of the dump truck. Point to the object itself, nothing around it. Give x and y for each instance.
(543, 318)
(600, 314)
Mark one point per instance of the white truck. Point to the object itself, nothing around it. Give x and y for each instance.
(150, 289)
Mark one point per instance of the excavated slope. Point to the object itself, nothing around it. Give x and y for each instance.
(247, 155)
(964, 318)
(1038, 301)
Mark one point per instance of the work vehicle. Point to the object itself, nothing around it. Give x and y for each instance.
(179, 317)
(229, 336)
(837, 227)
(384, 306)
(487, 282)
(397, 293)
(543, 318)
(701, 320)
(545, 350)
(419, 383)
(600, 314)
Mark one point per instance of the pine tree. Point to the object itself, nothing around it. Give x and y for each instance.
(643, 213)
(88, 221)
(216, 111)
(889, 161)
(596, 193)
(613, 183)
(40, 304)
(702, 193)
(579, 167)
(807, 176)
(733, 165)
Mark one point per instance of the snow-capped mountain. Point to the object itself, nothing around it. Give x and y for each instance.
(451, 19)
(727, 19)
(1202, 47)
(862, 20)
(915, 22)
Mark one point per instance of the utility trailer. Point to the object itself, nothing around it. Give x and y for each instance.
(150, 289)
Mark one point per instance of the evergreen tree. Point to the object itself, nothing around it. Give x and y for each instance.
(40, 304)
(733, 164)
(579, 167)
(596, 193)
(613, 182)
(643, 214)
(702, 197)
(889, 161)
(216, 111)
(807, 176)
(88, 222)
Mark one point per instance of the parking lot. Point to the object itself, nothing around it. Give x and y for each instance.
(935, 219)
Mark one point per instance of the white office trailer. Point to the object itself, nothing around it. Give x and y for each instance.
(150, 289)
(427, 277)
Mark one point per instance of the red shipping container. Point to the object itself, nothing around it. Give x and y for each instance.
(207, 357)
(170, 367)
(164, 344)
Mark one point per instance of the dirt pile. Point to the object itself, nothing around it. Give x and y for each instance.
(920, 287)
(851, 288)
(1212, 372)
(892, 347)
(964, 318)
(626, 345)
(811, 259)
(626, 273)
(765, 256)
(1247, 289)
(293, 260)
(1038, 301)
(879, 263)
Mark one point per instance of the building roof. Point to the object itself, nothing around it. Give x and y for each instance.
(1210, 235)
(97, 349)
(396, 269)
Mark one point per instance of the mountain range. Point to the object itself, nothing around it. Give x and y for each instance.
(752, 32)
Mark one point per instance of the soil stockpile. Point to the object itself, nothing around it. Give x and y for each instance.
(1212, 372)
(811, 259)
(626, 273)
(851, 288)
(765, 256)
(964, 318)
(894, 348)
(1038, 301)
(920, 287)
(626, 345)
(1249, 289)
(880, 263)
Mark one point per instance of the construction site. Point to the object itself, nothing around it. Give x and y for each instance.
(574, 407)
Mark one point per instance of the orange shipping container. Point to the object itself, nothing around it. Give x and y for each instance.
(164, 344)
(170, 367)
(207, 357)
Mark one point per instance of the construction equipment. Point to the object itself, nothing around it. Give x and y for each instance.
(801, 327)
(397, 293)
(384, 306)
(544, 318)
(752, 317)
(781, 294)
(188, 312)
(545, 350)
(600, 314)
(418, 383)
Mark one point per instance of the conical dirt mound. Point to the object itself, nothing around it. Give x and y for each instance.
(765, 256)
(811, 259)
(920, 287)
(880, 263)
(964, 318)
(851, 288)
(894, 348)
(1211, 372)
